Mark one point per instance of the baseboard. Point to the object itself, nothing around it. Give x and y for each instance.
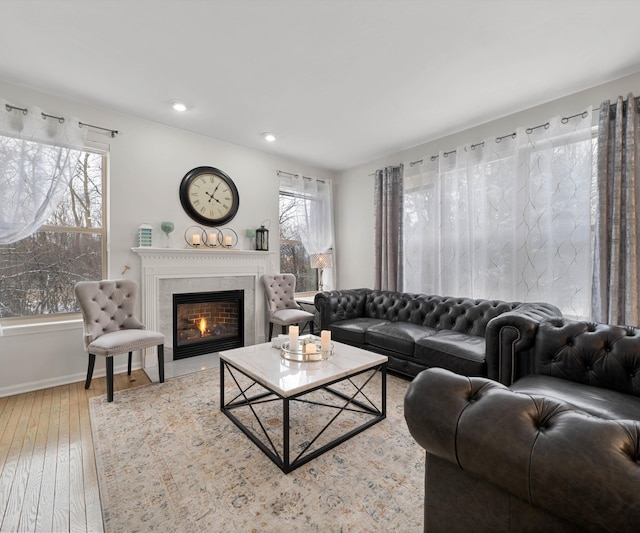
(61, 380)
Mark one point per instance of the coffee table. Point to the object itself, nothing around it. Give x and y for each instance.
(272, 399)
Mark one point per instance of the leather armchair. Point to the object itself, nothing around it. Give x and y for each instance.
(558, 450)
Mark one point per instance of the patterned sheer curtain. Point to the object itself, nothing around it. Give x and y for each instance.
(38, 157)
(616, 272)
(388, 200)
(314, 216)
(508, 218)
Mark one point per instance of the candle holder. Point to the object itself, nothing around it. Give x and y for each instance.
(195, 237)
(227, 238)
(262, 237)
(301, 354)
(213, 236)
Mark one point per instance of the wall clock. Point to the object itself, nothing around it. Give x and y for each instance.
(209, 196)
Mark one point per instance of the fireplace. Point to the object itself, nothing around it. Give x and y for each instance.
(206, 322)
(169, 271)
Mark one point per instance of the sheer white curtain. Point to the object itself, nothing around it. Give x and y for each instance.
(315, 219)
(508, 218)
(38, 158)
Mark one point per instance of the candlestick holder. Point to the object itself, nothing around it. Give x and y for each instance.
(227, 238)
(301, 354)
(213, 237)
(195, 237)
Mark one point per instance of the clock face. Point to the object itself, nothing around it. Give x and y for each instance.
(209, 196)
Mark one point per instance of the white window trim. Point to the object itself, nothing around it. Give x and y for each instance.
(10, 327)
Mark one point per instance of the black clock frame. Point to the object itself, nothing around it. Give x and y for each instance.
(192, 175)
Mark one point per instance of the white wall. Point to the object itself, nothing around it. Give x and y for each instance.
(147, 163)
(353, 188)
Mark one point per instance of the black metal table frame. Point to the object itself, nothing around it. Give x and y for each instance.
(282, 459)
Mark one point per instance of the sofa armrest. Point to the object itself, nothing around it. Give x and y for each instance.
(545, 452)
(340, 305)
(510, 337)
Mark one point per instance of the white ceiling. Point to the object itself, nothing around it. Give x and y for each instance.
(340, 82)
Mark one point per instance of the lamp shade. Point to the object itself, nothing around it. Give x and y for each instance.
(323, 260)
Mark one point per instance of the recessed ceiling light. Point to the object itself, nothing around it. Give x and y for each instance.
(269, 137)
(179, 106)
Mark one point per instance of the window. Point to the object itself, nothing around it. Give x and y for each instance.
(509, 220)
(293, 257)
(38, 273)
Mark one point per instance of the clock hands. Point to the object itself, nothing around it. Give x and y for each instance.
(211, 196)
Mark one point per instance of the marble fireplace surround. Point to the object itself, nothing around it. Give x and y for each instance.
(166, 271)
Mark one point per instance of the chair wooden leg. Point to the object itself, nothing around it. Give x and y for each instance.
(270, 330)
(109, 379)
(129, 365)
(161, 362)
(284, 329)
(311, 326)
(92, 363)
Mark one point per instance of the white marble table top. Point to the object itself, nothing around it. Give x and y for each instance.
(263, 363)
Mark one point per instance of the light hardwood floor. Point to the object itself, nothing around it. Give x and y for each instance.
(48, 478)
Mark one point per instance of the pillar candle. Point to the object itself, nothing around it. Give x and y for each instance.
(325, 340)
(293, 338)
(213, 239)
(195, 239)
(310, 347)
(227, 240)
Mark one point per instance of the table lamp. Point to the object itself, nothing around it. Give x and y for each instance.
(321, 261)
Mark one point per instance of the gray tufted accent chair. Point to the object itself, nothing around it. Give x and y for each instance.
(111, 327)
(281, 303)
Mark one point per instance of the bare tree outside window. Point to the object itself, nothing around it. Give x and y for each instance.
(38, 273)
(293, 257)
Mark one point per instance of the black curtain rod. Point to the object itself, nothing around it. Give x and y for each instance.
(283, 172)
(45, 116)
(529, 131)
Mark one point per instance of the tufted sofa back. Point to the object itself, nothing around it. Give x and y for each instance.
(463, 315)
(107, 306)
(594, 354)
(341, 305)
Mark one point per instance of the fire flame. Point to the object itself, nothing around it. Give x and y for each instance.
(202, 326)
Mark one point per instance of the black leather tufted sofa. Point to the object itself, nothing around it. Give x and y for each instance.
(558, 450)
(418, 331)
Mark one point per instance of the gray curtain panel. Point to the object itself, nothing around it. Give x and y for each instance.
(388, 228)
(616, 272)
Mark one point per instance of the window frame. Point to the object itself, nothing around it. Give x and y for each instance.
(284, 191)
(58, 321)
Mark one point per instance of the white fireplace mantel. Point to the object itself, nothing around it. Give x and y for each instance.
(204, 266)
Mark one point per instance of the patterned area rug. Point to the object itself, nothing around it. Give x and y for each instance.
(169, 460)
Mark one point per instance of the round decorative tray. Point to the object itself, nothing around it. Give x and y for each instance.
(301, 355)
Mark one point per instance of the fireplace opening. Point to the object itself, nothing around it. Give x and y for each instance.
(206, 322)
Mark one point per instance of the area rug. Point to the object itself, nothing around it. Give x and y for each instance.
(169, 460)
